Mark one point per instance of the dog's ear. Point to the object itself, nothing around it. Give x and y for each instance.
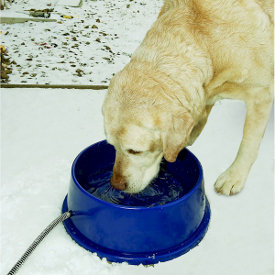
(176, 134)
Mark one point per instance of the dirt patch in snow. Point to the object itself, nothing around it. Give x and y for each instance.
(86, 44)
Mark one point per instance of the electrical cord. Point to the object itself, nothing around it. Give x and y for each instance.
(37, 241)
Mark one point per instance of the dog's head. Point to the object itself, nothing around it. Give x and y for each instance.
(143, 126)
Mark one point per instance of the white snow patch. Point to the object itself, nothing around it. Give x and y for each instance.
(87, 49)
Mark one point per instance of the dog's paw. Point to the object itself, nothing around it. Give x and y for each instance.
(230, 182)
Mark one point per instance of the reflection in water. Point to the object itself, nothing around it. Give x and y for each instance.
(165, 188)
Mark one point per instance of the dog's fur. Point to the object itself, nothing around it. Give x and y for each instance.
(197, 52)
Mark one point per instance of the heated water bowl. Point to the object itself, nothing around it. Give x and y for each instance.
(136, 234)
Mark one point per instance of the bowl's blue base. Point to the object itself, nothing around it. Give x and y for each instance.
(138, 258)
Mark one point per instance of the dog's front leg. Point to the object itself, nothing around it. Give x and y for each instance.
(258, 109)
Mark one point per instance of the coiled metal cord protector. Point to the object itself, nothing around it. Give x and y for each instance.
(37, 241)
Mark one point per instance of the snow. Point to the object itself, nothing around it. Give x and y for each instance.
(98, 40)
(43, 131)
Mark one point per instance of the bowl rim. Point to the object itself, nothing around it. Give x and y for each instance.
(120, 206)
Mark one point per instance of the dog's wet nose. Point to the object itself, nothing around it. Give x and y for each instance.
(118, 183)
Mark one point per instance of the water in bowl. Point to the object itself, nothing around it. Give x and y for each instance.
(165, 188)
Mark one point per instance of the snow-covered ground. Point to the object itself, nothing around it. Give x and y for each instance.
(42, 132)
(86, 49)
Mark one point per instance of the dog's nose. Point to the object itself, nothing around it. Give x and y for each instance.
(118, 182)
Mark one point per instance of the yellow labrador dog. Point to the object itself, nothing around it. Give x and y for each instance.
(197, 52)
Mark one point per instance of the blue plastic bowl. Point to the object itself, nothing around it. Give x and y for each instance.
(136, 234)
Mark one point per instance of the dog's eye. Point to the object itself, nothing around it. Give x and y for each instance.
(133, 152)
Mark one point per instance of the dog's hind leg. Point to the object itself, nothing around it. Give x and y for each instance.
(258, 103)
